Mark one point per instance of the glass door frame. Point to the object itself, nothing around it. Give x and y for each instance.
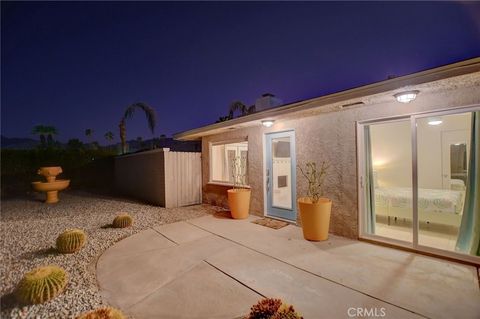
(414, 245)
(267, 176)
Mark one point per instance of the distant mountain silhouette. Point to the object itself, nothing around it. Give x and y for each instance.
(18, 143)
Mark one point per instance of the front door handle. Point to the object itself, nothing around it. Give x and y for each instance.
(267, 180)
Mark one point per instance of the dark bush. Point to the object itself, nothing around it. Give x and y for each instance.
(87, 169)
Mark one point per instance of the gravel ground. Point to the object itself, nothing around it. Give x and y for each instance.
(28, 232)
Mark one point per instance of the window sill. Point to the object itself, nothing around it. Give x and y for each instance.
(226, 184)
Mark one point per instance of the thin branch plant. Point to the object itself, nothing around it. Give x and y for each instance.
(239, 165)
(315, 179)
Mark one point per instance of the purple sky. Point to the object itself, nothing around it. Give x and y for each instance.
(78, 65)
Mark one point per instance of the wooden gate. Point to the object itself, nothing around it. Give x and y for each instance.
(161, 177)
(183, 179)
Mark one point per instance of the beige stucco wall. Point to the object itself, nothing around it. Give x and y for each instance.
(331, 137)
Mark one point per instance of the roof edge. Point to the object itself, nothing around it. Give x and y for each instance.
(429, 75)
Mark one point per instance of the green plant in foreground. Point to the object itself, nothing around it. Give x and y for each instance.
(71, 241)
(41, 285)
(122, 221)
(102, 313)
(315, 179)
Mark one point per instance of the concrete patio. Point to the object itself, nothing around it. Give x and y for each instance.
(216, 267)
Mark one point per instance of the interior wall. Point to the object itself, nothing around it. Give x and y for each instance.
(392, 153)
(429, 140)
(325, 136)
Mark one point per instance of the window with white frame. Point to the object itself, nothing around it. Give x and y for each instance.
(228, 160)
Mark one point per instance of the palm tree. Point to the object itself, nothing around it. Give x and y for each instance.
(241, 107)
(50, 131)
(237, 106)
(46, 133)
(40, 131)
(109, 136)
(88, 133)
(149, 113)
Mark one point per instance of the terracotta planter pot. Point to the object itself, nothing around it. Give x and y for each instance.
(239, 202)
(315, 218)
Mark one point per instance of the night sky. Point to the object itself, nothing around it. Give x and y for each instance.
(78, 65)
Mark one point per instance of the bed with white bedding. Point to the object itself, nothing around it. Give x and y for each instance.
(443, 206)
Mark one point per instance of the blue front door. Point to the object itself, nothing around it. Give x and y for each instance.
(281, 175)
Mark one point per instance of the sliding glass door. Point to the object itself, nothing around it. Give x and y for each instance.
(388, 178)
(420, 181)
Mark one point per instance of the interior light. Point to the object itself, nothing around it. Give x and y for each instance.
(435, 121)
(267, 123)
(406, 97)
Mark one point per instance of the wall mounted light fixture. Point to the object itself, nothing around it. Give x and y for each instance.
(406, 97)
(268, 123)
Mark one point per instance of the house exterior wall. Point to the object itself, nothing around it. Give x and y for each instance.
(330, 137)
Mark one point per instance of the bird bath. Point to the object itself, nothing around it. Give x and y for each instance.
(52, 186)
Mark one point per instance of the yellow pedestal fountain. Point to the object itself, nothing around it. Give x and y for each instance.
(53, 185)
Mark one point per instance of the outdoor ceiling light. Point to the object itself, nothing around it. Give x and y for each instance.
(435, 121)
(406, 97)
(268, 123)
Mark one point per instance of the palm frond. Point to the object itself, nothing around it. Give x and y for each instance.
(45, 129)
(237, 106)
(149, 111)
(109, 136)
(50, 129)
(38, 129)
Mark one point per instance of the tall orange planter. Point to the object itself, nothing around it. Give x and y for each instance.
(239, 202)
(315, 218)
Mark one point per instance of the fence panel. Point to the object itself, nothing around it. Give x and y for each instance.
(184, 187)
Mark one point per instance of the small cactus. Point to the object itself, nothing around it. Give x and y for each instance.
(41, 285)
(71, 241)
(102, 313)
(122, 221)
(265, 308)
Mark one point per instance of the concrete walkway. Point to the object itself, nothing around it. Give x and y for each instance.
(213, 267)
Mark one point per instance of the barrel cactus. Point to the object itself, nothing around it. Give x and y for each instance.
(122, 221)
(103, 313)
(71, 241)
(41, 285)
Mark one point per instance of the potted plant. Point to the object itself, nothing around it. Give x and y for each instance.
(239, 196)
(314, 208)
